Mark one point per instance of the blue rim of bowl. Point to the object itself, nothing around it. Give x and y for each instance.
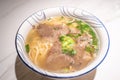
(57, 76)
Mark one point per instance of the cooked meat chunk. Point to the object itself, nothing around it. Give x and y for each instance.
(56, 48)
(45, 30)
(56, 57)
(60, 29)
(52, 31)
(84, 40)
(61, 60)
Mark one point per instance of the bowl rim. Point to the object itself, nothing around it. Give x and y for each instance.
(54, 76)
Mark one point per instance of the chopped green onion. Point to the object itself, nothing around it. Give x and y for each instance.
(69, 23)
(66, 70)
(90, 49)
(84, 27)
(80, 28)
(61, 38)
(56, 28)
(73, 52)
(69, 51)
(67, 45)
(49, 19)
(62, 17)
(78, 21)
(74, 35)
(27, 47)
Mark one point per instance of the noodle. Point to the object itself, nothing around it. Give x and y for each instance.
(38, 49)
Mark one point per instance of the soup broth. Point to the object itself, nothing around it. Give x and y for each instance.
(62, 44)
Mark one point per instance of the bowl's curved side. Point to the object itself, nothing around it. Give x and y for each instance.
(34, 20)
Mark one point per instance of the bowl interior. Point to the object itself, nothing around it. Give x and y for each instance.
(34, 20)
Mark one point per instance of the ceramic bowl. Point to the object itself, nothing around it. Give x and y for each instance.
(89, 18)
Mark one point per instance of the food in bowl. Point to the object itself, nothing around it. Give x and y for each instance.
(79, 24)
(62, 44)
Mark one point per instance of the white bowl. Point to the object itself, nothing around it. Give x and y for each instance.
(34, 19)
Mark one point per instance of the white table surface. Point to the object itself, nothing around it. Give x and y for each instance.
(13, 12)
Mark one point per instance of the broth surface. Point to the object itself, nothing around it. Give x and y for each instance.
(62, 44)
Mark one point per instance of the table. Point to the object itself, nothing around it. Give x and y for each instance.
(13, 12)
